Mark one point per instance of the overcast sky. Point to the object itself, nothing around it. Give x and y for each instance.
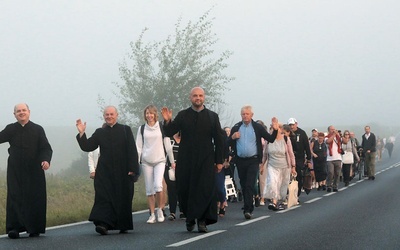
(322, 61)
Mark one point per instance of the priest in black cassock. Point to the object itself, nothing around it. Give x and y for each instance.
(29, 155)
(200, 156)
(117, 170)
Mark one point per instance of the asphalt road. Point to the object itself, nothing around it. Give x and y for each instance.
(364, 215)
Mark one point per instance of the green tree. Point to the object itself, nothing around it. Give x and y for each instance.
(163, 73)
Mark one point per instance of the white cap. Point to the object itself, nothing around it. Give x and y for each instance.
(292, 121)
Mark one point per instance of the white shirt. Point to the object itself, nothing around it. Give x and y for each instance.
(152, 151)
(93, 158)
(335, 154)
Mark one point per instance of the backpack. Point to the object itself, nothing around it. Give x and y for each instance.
(142, 132)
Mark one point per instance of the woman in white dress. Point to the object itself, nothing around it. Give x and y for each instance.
(280, 164)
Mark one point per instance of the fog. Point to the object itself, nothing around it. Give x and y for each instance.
(322, 62)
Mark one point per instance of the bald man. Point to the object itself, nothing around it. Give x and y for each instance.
(116, 171)
(29, 155)
(200, 155)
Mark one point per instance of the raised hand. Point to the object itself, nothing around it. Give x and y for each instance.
(81, 126)
(274, 123)
(166, 114)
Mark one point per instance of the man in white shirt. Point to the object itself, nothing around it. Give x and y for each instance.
(333, 159)
(93, 158)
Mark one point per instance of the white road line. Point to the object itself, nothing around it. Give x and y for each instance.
(252, 220)
(352, 184)
(69, 225)
(184, 242)
(86, 222)
(329, 194)
(311, 201)
(343, 188)
(287, 210)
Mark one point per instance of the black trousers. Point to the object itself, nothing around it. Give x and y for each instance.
(248, 169)
(172, 192)
(299, 178)
(346, 172)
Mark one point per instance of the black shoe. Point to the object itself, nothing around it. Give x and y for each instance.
(234, 199)
(190, 225)
(221, 212)
(247, 215)
(256, 201)
(346, 183)
(335, 190)
(372, 177)
(171, 217)
(324, 187)
(182, 216)
(101, 229)
(201, 226)
(34, 235)
(319, 188)
(329, 190)
(240, 195)
(13, 234)
(123, 231)
(271, 206)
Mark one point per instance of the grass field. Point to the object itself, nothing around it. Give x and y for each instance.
(69, 199)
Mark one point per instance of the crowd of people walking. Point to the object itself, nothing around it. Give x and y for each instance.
(188, 158)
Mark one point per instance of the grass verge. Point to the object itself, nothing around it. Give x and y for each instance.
(69, 199)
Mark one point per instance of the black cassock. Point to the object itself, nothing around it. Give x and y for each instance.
(201, 147)
(26, 182)
(113, 186)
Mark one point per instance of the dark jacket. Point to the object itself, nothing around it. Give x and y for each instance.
(113, 186)
(260, 131)
(369, 144)
(302, 145)
(201, 147)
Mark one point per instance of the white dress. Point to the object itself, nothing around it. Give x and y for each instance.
(278, 176)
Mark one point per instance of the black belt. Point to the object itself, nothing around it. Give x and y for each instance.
(248, 158)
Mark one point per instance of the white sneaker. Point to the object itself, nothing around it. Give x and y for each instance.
(152, 219)
(262, 203)
(160, 215)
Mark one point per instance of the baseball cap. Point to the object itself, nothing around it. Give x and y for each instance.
(292, 121)
(314, 129)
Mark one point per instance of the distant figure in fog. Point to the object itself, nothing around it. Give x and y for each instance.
(389, 146)
(369, 148)
(379, 147)
(29, 155)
